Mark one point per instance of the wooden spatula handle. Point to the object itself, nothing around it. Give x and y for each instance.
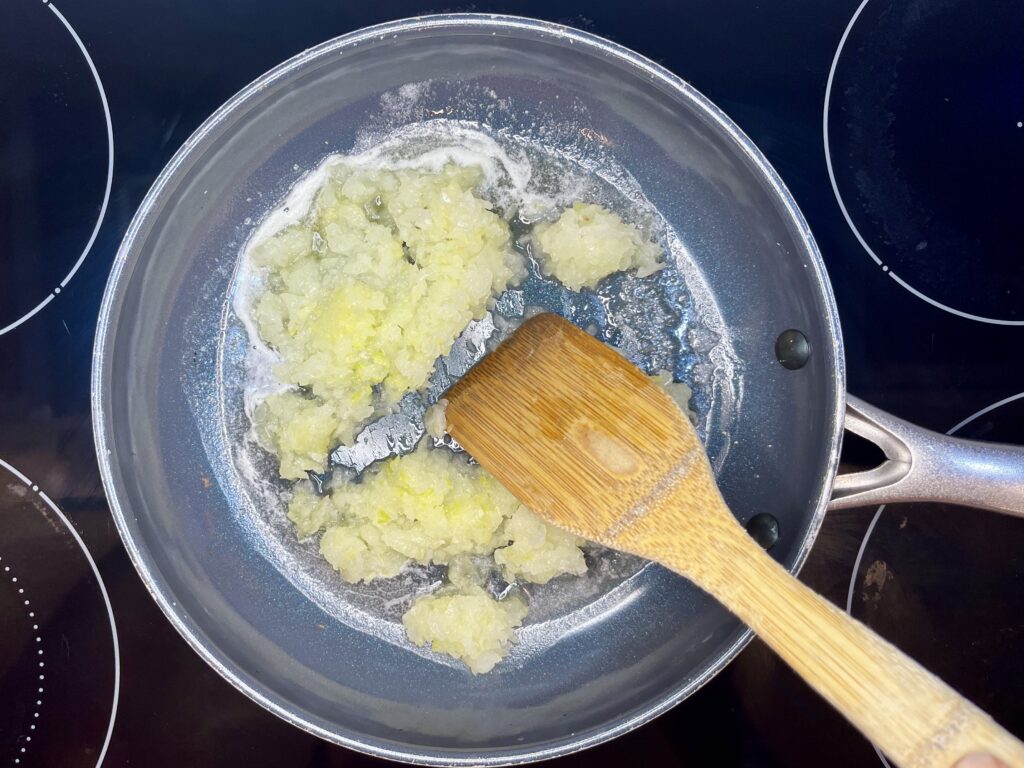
(915, 718)
(585, 439)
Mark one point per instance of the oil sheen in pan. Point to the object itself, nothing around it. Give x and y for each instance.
(667, 321)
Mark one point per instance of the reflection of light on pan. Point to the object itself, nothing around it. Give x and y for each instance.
(110, 177)
(842, 205)
(42, 664)
(103, 590)
(602, 609)
(878, 514)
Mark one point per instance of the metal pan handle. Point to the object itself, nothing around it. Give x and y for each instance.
(922, 465)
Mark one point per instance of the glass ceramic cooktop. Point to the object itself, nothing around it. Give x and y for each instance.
(897, 124)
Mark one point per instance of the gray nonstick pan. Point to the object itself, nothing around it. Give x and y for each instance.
(745, 313)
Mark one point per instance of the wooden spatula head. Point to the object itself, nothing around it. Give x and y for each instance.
(577, 432)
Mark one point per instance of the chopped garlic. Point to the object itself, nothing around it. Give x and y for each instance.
(310, 512)
(361, 298)
(367, 293)
(434, 421)
(587, 243)
(470, 626)
(428, 506)
(539, 551)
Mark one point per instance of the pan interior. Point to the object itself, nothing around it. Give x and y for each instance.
(210, 538)
(666, 322)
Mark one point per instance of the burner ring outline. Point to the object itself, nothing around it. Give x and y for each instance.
(106, 602)
(878, 514)
(842, 205)
(110, 177)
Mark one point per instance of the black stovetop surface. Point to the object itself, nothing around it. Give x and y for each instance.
(916, 207)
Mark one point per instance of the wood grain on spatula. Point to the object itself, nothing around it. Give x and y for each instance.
(587, 441)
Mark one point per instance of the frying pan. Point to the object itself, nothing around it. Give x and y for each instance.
(632, 652)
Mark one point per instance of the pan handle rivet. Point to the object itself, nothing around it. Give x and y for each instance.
(792, 349)
(764, 529)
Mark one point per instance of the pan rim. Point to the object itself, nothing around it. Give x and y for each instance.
(128, 255)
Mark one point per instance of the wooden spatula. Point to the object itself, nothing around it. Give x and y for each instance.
(587, 441)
